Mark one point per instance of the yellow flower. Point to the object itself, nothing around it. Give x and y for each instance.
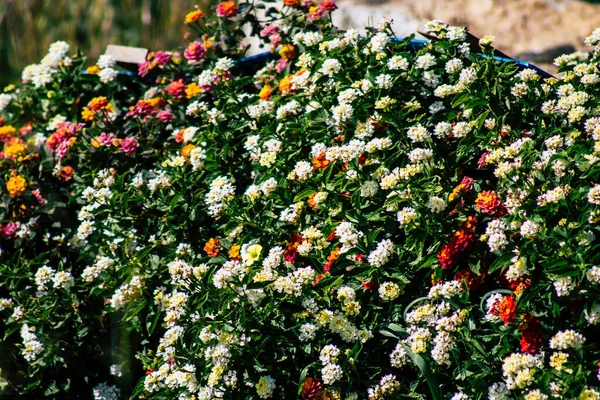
(193, 16)
(251, 253)
(234, 251)
(287, 51)
(94, 69)
(14, 149)
(192, 90)
(16, 186)
(7, 131)
(87, 114)
(558, 359)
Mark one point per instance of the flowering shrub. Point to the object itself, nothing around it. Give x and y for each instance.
(356, 219)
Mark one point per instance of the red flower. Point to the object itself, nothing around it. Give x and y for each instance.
(291, 250)
(532, 339)
(311, 388)
(446, 256)
(371, 285)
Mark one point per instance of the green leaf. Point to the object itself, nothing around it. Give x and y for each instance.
(434, 387)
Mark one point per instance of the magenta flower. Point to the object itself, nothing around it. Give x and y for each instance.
(195, 51)
(129, 145)
(106, 140)
(9, 231)
(162, 58)
(165, 116)
(143, 68)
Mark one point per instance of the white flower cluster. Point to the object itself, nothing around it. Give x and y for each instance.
(261, 109)
(220, 191)
(41, 74)
(265, 188)
(496, 235)
(126, 293)
(288, 110)
(104, 391)
(445, 290)
(348, 236)
(60, 279)
(32, 347)
(292, 283)
(387, 386)
(5, 100)
(292, 213)
(224, 276)
(331, 371)
(519, 369)
(265, 387)
(382, 253)
(568, 339)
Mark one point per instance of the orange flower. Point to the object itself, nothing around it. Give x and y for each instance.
(320, 161)
(193, 16)
(285, 85)
(6, 132)
(331, 258)
(287, 51)
(311, 200)
(227, 9)
(506, 309)
(66, 173)
(98, 103)
(292, 3)
(212, 247)
(266, 92)
(488, 202)
(94, 69)
(192, 90)
(16, 185)
(234, 252)
(185, 152)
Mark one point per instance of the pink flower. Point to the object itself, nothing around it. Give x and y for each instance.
(9, 231)
(281, 64)
(106, 140)
(162, 58)
(143, 68)
(195, 51)
(129, 145)
(38, 196)
(63, 149)
(269, 30)
(275, 40)
(165, 116)
(328, 5)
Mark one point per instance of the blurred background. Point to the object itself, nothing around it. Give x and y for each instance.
(531, 30)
